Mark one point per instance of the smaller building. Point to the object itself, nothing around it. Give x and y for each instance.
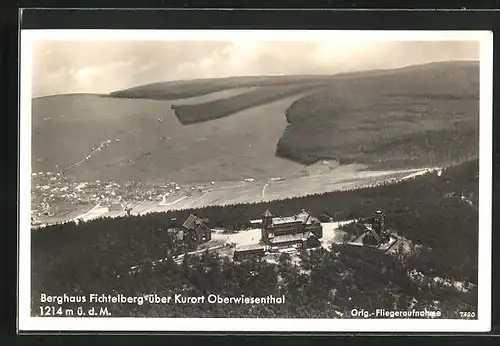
(256, 223)
(311, 242)
(249, 252)
(196, 230)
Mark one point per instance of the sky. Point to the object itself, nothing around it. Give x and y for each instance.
(61, 67)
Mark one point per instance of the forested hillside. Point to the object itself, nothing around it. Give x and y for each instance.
(416, 116)
(95, 256)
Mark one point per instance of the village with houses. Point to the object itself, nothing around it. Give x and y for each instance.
(54, 197)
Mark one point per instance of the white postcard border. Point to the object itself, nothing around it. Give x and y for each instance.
(482, 324)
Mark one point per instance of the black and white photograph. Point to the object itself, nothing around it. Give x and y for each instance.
(222, 180)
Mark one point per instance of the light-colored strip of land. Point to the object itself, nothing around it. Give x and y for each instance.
(231, 193)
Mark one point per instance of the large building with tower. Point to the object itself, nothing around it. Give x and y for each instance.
(290, 230)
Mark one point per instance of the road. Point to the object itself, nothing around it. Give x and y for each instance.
(264, 191)
(137, 268)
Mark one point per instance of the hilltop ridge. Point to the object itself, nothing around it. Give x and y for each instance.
(418, 116)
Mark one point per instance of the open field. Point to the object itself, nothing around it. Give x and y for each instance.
(143, 148)
(230, 193)
(236, 193)
(215, 96)
(206, 111)
(414, 116)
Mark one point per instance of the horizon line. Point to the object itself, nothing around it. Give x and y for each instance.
(254, 75)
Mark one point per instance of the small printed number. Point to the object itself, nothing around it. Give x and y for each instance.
(50, 311)
(467, 314)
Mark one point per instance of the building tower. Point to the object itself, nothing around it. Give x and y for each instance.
(378, 222)
(267, 220)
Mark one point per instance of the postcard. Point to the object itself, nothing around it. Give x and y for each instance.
(255, 180)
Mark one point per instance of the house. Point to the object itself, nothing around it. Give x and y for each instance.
(249, 251)
(256, 222)
(289, 231)
(196, 230)
(311, 242)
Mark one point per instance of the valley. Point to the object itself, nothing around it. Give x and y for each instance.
(134, 155)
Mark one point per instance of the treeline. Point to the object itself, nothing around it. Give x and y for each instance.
(443, 96)
(83, 257)
(423, 115)
(329, 285)
(70, 255)
(191, 114)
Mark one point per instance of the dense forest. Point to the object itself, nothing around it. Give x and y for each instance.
(96, 256)
(420, 115)
(331, 284)
(191, 114)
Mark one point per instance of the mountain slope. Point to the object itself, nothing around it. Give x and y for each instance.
(419, 115)
(148, 143)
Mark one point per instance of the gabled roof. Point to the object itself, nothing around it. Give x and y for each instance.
(267, 213)
(375, 234)
(305, 217)
(193, 222)
(286, 220)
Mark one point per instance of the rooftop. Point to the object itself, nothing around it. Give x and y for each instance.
(267, 213)
(303, 217)
(286, 219)
(289, 237)
(249, 247)
(193, 221)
